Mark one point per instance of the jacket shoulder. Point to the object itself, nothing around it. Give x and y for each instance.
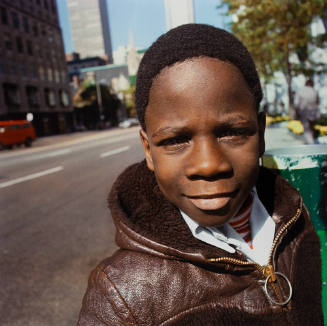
(121, 289)
(149, 290)
(102, 303)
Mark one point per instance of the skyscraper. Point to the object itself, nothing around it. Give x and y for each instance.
(179, 12)
(90, 28)
(33, 71)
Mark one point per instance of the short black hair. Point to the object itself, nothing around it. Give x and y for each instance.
(189, 41)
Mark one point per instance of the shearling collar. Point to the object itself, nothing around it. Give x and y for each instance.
(149, 223)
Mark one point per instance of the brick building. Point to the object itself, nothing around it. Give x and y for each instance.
(33, 71)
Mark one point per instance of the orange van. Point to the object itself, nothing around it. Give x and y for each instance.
(15, 133)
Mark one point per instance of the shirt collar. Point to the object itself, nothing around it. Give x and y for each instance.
(225, 237)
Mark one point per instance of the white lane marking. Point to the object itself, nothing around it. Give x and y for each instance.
(118, 138)
(57, 153)
(115, 151)
(30, 177)
(48, 155)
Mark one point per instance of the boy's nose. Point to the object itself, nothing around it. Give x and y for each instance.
(208, 160)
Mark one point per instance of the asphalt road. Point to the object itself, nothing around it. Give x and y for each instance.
(55, 225)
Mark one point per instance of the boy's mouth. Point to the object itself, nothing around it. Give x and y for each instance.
(212, 201)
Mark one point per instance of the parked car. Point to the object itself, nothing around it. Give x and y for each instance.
(16, 132)
(129, 123)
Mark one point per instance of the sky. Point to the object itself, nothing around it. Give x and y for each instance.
(145, 19)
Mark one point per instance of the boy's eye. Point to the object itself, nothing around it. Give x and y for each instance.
(175, 143)
(235, 134)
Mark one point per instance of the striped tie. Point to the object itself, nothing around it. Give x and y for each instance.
(241, 222)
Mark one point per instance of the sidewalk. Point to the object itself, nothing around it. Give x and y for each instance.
(278, 136)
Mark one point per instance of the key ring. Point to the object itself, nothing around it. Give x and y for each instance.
(289, 285)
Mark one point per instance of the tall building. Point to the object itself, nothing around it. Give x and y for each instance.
(33, 71)
(90, 28)
(179, 12)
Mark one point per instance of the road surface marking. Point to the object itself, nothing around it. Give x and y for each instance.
(118, 139)
(47, 155)
(30, 177)
(115, 151)
(57, 153)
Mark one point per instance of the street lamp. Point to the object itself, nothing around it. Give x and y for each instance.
(99, 95)
(99, 99)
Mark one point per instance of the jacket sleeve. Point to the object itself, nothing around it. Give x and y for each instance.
(103, 304)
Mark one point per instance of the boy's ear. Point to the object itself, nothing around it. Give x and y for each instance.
(146, 147)
(262, 127)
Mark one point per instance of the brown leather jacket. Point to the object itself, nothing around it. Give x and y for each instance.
(162, 275)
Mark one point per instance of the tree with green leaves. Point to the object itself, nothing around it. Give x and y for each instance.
(275, 30)
(95, 102)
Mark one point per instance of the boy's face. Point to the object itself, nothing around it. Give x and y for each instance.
(204, 138)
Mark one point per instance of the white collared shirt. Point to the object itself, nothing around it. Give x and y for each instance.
(226, 238)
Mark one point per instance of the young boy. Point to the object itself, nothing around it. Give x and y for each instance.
(206, 236)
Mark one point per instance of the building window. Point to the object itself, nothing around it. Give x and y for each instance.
(57, 76)
(11, 94)
(38, 50)
(35, 30)
(32, 96)
(15, 20)
(29, 47)
(50, 75)
(26, 24)
(50, 97)
(38, 2)
(64, 98)
(41, 73)
(8, 41)
(4, 16)
(63, 76)
(19, 44)
(46, 4)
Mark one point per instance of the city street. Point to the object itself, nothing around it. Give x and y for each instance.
(74, 69)
(55, 225)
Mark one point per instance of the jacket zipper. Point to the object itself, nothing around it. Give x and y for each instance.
(268, 270)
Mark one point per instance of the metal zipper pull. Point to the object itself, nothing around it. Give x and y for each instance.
(269, 273)
(274, 280)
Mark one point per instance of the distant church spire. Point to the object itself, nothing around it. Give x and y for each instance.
(130, 39)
